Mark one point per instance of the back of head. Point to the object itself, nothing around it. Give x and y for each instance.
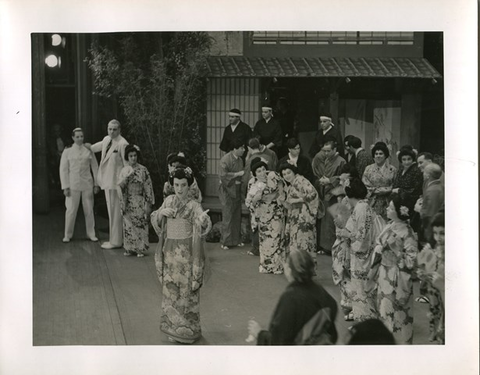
(301, 265)
(254, 143)
(356, 189)
(371, 332)
(292, 143)
(434, 171)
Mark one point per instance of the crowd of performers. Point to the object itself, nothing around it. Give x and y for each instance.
(382, 226)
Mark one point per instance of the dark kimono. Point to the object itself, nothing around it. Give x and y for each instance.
(242, 132)
(268, 132)
(231, 199)
(320, 138)
(410, 183)
(297, 305)
(303, 164)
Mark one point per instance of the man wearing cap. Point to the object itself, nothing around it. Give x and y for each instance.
(268, 130)
(111, 162)
(327, 130)
(230, 172)
(237, 129)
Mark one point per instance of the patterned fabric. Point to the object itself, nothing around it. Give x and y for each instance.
(193, 191)
(362, 160)
(360, 225)
(268, 216)
(397, 246)
(409, 182)
(301, 217)
(136, 194)
(431, 271)
(180, 265)
(379, 182)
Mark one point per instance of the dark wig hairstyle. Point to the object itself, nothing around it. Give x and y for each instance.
(370, 332)
(286, 165)
(381, 146)
(354, 142)
(350, 169)
(438, 220)
(401, 200)
(129, 149)
(357, 189)
(407, 150)
(181, 173)
(302, 266)
(257, 163)
(292, 143)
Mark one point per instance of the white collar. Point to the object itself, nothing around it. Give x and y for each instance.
(325, 131)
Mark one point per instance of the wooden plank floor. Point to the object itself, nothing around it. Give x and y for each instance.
(84, 295)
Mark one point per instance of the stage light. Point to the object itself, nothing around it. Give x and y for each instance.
(53, 61)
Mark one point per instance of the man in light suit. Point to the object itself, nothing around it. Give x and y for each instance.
(111, 162)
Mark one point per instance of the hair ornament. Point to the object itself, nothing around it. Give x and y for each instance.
(404, 211)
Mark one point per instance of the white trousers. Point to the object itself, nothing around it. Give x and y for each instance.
(115, 218)
(71, 203)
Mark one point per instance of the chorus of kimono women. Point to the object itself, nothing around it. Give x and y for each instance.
(174, 161)
(361, 229)
(431, 271)
(181, 225)
(302, 301)
(378, 178)
(409, 178)
(77, 164)
(267, 215)
(136, 200)
(301, 202)
(396, 251)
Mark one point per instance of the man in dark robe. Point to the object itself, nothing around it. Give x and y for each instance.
(327, 166)
(230, 173)
(362, 157)
(235, 130)
(327, 130)
(268, 130)
(296, 158)
(349, 155)
(286, 117)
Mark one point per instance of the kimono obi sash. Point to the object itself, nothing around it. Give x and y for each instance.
(179, 229)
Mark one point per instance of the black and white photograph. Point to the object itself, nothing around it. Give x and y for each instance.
(202, 190)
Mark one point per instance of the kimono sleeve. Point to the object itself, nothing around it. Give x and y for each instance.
(411, 250)
(148, 187)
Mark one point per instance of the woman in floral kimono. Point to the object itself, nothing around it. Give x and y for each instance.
(378, 178)
(180, 260)
(136, 199)
(301, 202)
(396, 251)
(361, 229)
(268, 215)
(431, 271)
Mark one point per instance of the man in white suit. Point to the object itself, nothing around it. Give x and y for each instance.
(111, 162)
(76, 167)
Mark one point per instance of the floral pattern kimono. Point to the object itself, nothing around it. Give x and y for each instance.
(431, 271)
(341, 255)
(136, 192)
(379, 182)
(397, 247)
(301, 220)
(361, 228)
(268, 216)
(180, 264)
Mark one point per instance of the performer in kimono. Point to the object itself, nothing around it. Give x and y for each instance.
(326, 167)
(302, 300)
(378, 178)
(76, 167)
(174, 161)
(236, 129)
(396, 250)
(230, 172)
(327, 131)
(301, 202)
(136, 201)
(296, 158)
(360, 227)
(341, 256)
(181, 225)
(431, 272)
(267, 215)
(268, 130)
(409, 179)
(112, 161)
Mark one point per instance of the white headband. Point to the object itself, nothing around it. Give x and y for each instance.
(234, 114)
(325, 118)
(267, 108)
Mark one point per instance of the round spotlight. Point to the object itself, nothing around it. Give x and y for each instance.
(51, 61)
(56, 40)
